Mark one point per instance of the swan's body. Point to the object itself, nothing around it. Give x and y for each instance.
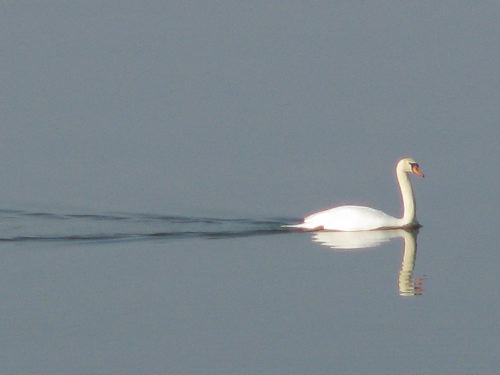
(359, 218)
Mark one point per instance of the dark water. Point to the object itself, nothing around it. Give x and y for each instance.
(20, 226)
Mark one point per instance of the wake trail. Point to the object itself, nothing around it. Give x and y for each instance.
(23, 226)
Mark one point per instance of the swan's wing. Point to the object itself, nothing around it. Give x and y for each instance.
(350, 218)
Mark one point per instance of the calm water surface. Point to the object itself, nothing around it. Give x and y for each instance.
(241, 296)
(220, 121)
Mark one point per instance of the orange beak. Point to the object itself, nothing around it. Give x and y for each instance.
(415, 168)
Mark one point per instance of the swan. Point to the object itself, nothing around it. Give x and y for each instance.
(360, 218)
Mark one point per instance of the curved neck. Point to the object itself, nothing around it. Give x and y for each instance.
(408, 286)
(409, 208)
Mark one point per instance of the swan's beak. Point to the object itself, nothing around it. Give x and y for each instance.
(415, 168)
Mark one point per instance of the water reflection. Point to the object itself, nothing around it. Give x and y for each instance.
(408, 286)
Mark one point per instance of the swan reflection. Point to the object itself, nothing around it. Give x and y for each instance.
(408, 286)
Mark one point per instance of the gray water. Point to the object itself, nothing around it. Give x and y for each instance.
(151, 151)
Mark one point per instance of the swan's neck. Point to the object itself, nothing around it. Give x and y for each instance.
(409, 208)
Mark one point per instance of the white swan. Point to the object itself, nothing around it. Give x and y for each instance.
(358, 218)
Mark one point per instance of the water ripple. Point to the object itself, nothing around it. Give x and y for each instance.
(19, 226)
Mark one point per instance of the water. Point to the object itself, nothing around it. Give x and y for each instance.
(21, 226)
(150, 152)
(128, 293)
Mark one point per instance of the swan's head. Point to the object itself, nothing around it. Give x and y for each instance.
(409, 165)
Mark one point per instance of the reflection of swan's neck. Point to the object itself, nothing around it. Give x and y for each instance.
(363, 239)
(407, 286)
(409, 208)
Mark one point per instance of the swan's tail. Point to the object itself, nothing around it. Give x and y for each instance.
(303, 226)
